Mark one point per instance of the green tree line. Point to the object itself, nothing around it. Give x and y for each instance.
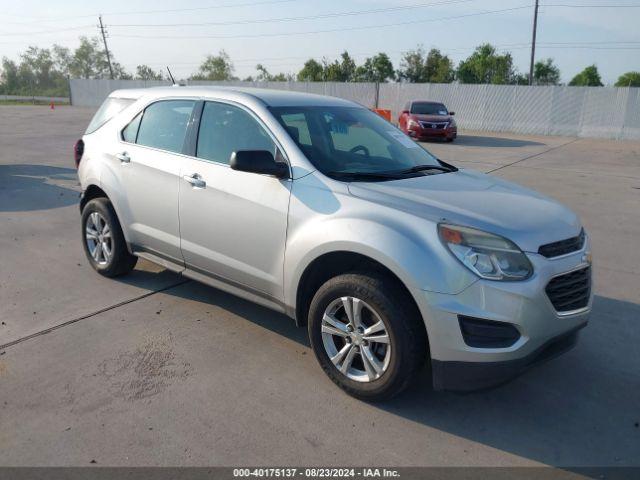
(45, 71)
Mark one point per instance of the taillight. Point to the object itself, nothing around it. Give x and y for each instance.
(78, 150)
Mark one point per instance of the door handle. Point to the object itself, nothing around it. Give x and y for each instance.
(123, 157)
(195, 180)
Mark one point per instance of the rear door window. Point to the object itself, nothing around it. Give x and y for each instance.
(164, 124)
(109, 109)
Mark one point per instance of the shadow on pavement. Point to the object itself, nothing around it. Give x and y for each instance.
(479, 141)
(580, 409)
(199, 292)
(34, 187)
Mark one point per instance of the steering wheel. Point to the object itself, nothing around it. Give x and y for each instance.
(362, 148)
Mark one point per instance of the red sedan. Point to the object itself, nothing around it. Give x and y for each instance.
(424, 120)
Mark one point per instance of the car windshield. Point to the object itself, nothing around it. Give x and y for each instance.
(428, 108)
(353, 140)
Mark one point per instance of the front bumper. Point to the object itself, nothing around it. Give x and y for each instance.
(470, 376)
(427, 133)
(544, 332)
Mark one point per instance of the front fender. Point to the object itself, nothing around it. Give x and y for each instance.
(407, 245)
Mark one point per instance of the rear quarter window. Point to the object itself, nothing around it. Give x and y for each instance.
(109, 109)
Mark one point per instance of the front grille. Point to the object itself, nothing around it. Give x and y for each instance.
(434, 125)
(562, 247)
(570, 291)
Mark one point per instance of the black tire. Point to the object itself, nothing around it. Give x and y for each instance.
(404, 325)
(451, 139)
(120, 261)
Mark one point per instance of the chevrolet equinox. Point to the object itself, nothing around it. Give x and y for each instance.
(318, 208)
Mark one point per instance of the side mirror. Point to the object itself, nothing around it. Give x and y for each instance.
(258, 161)
(452, 113)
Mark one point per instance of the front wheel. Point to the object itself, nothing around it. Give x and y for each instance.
(366, 336)
(103, 240)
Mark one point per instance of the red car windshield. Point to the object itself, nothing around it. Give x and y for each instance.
(429, 109)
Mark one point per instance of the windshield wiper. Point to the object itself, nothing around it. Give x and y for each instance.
(421, 168)
(366, 175)
(392, 174)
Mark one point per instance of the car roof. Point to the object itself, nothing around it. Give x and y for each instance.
(270, 97)
(427, 101)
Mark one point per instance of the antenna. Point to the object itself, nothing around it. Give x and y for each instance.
(171, 76)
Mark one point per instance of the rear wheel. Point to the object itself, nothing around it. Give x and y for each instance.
(103, 241)
(365, 335)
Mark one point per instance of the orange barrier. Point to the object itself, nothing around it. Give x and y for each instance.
(386, 114)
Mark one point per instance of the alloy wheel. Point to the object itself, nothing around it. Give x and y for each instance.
(356, 339)
(98, 238)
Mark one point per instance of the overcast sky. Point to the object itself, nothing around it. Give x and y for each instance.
(573, 36)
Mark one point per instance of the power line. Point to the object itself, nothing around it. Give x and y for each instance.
(293, 19)
(568, 5)
(47, 31)
(342, 29)
(502, 47)
(145, 12)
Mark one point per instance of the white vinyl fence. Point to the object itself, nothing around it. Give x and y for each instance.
(598, 112)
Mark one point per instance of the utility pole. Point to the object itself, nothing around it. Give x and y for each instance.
(533, 43)
(106, 48)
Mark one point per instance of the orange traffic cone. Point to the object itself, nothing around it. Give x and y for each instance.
(52, 106)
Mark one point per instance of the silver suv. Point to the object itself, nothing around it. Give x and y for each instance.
(318, 208)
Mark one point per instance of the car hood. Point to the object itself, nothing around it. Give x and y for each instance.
(477, 200)
(432, 118)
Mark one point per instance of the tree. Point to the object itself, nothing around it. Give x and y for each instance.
(629, 79)
(412, 66)
(9, 81)
(376, 69)
(145, 72)
(520, 79)
(546, 73)
(312, 71)
(119, 72)
(340, 71)
(589, 77)
(265, 76)
(438, 67)
(89, 60)
(43, 71)
(418, 67)
(62, 58)
(216, 67)
(485, 65)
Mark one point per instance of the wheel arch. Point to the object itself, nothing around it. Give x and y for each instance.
(92, 191)
(338, 262)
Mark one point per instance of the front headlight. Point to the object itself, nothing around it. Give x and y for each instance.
(488, 256)
(411, 123)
